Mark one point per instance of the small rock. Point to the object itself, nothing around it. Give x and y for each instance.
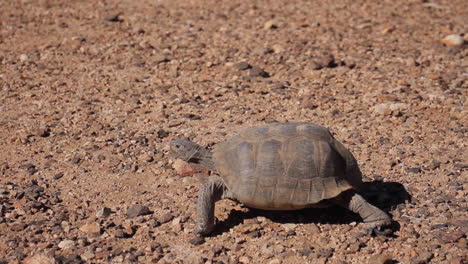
(42, 132)
(66, 244)
(185, 169)
(270, 24)
(91, 228)
(457, 260)
(382, 109)
(244, 259)
(380, 259)
(325, 252)
(247, 228)
(414, 170)
(326, 61)
(160, 58)
(162, 133)
(165, 218)
(289, 226)
(137, 210)
(103, 212)
(241, 66)
(115, 18)
(40, 258)
(198, 240)
(274, 261)
(75, 160)
(58, 176)
(256, 71)
(453, 40)
(87, 256)
(23, 57)
(255, 234)
(119, 233)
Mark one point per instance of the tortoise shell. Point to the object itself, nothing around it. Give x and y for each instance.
(286, 166)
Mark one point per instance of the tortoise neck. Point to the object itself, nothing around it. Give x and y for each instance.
(203, 157)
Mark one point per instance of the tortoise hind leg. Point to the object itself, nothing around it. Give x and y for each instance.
(209, 194)
(373, 216)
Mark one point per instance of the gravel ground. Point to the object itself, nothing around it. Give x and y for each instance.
(92, 91)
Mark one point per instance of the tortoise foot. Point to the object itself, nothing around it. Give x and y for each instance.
(380, 228)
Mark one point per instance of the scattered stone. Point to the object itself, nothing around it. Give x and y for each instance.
(380, 259)
(87, 256)
(119, 233)
(23, 57)
(244, 259)
(255, 234)
(165, 218)
(66, 244)
(275, 261)
(289, 227)
(103, 212)
(75, 160)
(256, 71)
(40, 258)
(241, 66)
(58, 176)
(198, 240)
(382, 109)
(137, 210)
(92, 228)
(42, 132)
(270, 24)
(160, 58)
(185, 169)
(115, 18)
(414, 170)
(453, 40)
(162, 133)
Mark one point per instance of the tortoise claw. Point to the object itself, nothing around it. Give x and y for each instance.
(380, 230)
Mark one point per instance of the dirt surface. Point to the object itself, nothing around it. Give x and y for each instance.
(92, 91)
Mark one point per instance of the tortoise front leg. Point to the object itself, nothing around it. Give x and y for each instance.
(209, 194)
(373, 216)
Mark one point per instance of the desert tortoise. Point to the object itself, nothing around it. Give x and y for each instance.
(280, 166)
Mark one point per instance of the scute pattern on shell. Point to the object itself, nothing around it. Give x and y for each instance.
(286, 166)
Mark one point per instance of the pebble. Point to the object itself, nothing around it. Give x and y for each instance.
(382, 109)
(87, 256)
(198, 240)
(274, 261)
(289, 226)
(119, 233)
(103, 212)
(244, 259)
(91, 228)
(165, 218)
(380, 259)
(23, 57)
(58, 176)
(40, 258)
(162, 133)
(256, 71)
(270, 24)
(414, 170)
(66, 244)
(241, 66)
(185, 169)
(453, 40)
(137, 210)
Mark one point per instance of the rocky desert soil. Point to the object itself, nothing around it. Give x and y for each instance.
(92, 91)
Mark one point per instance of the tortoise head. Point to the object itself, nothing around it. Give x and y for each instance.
(185, 149)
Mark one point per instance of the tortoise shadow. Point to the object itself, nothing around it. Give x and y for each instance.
(385, 195)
